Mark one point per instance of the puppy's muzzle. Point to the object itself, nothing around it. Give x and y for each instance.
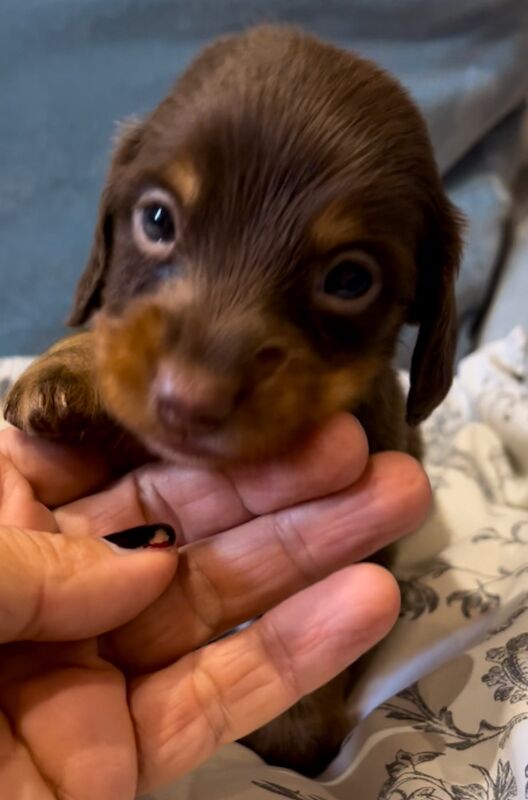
(188, 398)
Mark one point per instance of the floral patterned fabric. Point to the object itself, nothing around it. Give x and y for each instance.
(442, 710)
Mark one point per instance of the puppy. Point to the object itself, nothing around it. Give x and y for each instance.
(262, 237)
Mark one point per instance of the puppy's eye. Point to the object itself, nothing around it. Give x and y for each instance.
(158, 223)
(351, 282)
(348, 280)
(154, 224)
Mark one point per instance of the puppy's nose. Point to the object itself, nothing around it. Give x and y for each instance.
(191, 399)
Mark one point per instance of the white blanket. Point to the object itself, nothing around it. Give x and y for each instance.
(443, 710)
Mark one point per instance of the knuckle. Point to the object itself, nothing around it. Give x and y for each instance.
(209, 699)
(202, 596)
(278, 656)
(294, 546)
(152, 502)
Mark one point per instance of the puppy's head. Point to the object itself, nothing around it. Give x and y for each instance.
(262, 238)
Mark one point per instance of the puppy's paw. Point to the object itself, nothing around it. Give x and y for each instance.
(55, 401)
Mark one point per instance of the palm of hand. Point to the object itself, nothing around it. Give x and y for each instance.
(87, 716)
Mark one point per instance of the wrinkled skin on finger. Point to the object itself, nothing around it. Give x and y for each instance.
(83, 713)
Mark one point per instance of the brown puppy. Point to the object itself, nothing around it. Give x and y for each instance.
(263, 236)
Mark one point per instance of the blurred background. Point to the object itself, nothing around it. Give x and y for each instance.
(69, 69)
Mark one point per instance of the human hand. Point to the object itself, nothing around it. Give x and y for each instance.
(135, 708)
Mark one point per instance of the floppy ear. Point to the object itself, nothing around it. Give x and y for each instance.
(89, 289)
(435, 309)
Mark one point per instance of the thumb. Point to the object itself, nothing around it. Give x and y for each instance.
(56, 587)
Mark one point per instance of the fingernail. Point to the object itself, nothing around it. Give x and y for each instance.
(152, 537)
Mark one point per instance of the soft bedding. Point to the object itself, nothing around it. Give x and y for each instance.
(442, 712)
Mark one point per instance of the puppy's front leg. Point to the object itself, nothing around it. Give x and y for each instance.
(57, 396)
(308, 736)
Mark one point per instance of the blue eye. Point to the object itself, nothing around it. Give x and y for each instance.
(158, 223)
(348, 280)
(154, 224)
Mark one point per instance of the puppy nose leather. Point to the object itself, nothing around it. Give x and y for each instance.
(187, 397)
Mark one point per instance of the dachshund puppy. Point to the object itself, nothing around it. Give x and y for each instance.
(262, 237)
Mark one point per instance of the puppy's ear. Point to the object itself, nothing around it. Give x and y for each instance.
(438, 260)
(89, 289)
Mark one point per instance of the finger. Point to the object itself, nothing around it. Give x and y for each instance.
(56, 472)
(18, 768)
(198, 501)
(232, 577)
(340, 449)
(75, 723)
(228, 689)
(61, 588)
(18, 504)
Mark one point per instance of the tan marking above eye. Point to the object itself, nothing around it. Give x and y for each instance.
(182, 175)
(159, 249)
(334, 226)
